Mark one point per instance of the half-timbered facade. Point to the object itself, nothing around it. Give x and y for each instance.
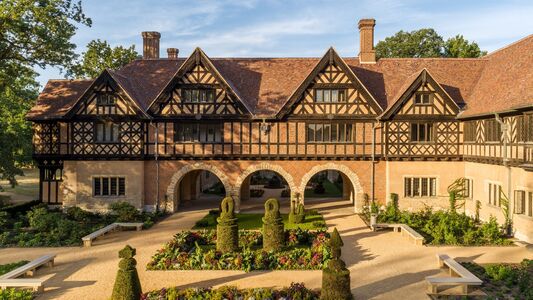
(412, 126)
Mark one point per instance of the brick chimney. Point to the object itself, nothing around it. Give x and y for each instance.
(151, 44)
(173, 53)
(367, 54)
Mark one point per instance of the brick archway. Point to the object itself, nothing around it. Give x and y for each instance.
(343, 169)
(172, 203)
(265, 166)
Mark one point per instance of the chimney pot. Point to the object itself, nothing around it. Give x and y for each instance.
(173, 53)
(367, 54)
(151, 44)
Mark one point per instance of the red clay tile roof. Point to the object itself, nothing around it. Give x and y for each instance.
(497, 82)
(506, 82)
(57, 97)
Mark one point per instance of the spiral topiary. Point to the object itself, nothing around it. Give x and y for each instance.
(127, 285)
(273, 229)
(336, 277)
(227, 228)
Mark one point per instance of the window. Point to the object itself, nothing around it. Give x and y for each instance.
(109, 186)
(519, 202)
(494, 194)
(105, 99)
(529, 210)
(525, 128)
(423, 98)
(330, 95)
(469, 189)
(492, 131)
(195, 132)
(107, 132)
(198, 95)
(420, 187)
(421, 132)
(469, 134)
(329, 133)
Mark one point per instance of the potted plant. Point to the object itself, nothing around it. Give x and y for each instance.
(374, 210)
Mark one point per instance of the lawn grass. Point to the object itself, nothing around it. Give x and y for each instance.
(28, 185)
(331, 191)
(249, 221)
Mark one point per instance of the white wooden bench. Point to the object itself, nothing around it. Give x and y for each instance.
(29, 268)
(459, 276)
(10, 279)
(88, 239)
(35, 283)
(404, 230)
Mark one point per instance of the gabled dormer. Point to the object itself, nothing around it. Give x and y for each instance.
(198, 90)
(421, 97)
(331, 90)
(105, 98)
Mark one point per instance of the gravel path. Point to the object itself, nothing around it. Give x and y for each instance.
(383, 265)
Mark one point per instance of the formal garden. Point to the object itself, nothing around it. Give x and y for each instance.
(36, 225)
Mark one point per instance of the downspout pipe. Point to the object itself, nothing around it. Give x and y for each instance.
(156, 156)
(505, 136)
(375, 127)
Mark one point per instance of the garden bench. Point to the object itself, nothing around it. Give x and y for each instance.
(88, 239)
(403, 229)
(35, 283)
(460, 276)
(29, 268)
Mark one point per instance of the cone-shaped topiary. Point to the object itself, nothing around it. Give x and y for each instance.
(336, 277)
(127, 284)
(273, 230)
(227, 228)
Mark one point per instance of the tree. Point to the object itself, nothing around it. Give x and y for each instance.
(32, 33)
(100, 56)
(458, 46)
(426, 43)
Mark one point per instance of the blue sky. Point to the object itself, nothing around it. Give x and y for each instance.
(299, 28)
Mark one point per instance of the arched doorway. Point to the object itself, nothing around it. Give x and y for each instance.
(197, 186)
(263, 181)
(332, 182)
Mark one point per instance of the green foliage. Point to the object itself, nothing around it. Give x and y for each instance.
(12, 266)
(426, 42)
(446, 228)
(15, 294)
(31, 34)
(100, 56)
(374, 209)
(125, 212)
(304, 250)
(273, 231)
(335, 277)
(297, 213)
(296, 291)
(127, 285)
(313, 220)
(227, 228)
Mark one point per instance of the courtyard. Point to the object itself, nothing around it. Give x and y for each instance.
(383, 265)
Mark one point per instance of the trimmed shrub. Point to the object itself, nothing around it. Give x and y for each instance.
(227, 228)
(336, 277)
(297, 213)
(125, 212)
(273, 229)
(127, 285)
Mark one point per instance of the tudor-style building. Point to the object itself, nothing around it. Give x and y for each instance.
(409, 126)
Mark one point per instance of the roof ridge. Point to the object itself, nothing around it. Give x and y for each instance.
(510, 45)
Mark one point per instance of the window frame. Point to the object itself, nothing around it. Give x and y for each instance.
(118, 181)
(492, 127)
(420, 186)
(108, 96)
(430, 96)
(428, 131)
(469, 132)
(196, 130)
(209, 94)
(341, 93)
(315, 133)
(105, 129)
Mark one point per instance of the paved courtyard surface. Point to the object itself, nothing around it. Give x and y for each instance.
(383, 265)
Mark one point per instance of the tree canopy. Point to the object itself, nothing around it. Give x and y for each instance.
(32, 33)
(100, 56)
(426, 42)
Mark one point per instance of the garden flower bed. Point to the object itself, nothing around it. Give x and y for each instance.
(295, 291)
(195, 250)
(313, 221)
(41, 226)
(505, 281)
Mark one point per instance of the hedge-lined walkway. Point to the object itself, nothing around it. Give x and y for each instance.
(383, 265)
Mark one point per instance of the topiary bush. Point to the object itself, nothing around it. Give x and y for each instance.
(297, 213)
(227, 228)
(336, 277)
(273, 228)
(127, 285)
